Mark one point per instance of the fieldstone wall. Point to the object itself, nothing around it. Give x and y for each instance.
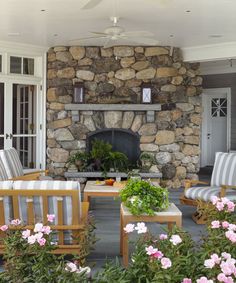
(115, 75)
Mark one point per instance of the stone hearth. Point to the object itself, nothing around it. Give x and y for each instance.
(169, 128)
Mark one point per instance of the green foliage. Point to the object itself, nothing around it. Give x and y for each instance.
(79, 156)
(116, 160)
(100, 149)
(143, 197)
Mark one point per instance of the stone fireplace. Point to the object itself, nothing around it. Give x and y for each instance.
(169, 128)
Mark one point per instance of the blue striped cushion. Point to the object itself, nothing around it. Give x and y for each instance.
(224, 172)
(206, 193)
(11, 161)
(3, 173)
(7, 201)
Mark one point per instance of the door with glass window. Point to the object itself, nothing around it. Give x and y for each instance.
(1, 115)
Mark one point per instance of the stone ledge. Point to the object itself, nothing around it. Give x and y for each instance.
(113, 107)
(110, 175)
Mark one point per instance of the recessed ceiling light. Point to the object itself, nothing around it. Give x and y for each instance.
(55, 34)
(43, 10)
(171, 35)
(13, 34)
(215, 35)
(187, 11)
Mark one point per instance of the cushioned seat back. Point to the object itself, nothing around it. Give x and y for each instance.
(37, 201)
(3, 173)
(224, 172)
(7, 201)
(11, 161)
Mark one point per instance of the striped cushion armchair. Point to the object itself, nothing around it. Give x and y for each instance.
(11, 167)
(223, 184)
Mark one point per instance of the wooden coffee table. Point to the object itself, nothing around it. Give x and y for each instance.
(171, 216)
(93, 190)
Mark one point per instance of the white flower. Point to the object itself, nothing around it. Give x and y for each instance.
(71, 267)
(129, 228)
(141, 228)
(31, 239)
(86, 269)
(175, 240)
(38, 227)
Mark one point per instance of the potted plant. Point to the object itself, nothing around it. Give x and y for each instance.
(142, 196)
(146, 160)
(100, 151)
(117, 161)
(80, 159)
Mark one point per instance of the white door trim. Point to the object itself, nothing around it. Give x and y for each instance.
(204, 119)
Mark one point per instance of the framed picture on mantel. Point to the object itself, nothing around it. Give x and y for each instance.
(79, 93)
(146, 94)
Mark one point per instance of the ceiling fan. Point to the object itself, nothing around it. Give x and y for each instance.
(114, 33)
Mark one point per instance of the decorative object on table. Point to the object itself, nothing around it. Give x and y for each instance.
(146, 160)
(143, 197)
(80, 159)
(79, 93)
(109, 182)
(146, 93)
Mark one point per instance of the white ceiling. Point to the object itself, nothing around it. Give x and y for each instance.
(68, 21)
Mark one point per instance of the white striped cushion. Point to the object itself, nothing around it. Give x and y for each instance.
(224, 172)
(11, 161)
(206, 193)
(3, 173)
(8, 210)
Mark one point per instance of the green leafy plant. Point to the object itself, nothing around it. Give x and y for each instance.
(100, 151)
(80, 159)
(143, 197)
(116, 160)
(147, 160)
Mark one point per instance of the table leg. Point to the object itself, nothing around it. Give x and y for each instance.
(170, 226)
(179, 222)
(121, 233)
(125, 243)
(86, 197)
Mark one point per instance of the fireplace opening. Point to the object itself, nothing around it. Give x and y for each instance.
(121, 140)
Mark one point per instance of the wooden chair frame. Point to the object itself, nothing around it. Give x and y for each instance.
(199, 218)
(30, 176)
(78, 223)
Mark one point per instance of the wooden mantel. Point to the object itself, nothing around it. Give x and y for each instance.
(113, 107)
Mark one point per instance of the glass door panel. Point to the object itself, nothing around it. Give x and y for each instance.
(24, 123)
(1, 115)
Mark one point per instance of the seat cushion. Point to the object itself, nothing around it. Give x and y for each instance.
(206, 193)
(7, 201)
(11, 161)
(3, 173)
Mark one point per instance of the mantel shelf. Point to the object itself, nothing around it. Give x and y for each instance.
(113, 107)
(109, 174)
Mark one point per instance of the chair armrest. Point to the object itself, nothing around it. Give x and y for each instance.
(29, 176)
(223, 189)
(188, 183)
(37, 172)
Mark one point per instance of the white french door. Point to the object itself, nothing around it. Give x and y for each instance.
(216, 124)
(19, 125)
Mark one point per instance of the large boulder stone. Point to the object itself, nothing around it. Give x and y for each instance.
(163, 157)
(88, 122)
(155, 51)
(63, 56)
(52, 94)
(166, 72)
(105, 65)
(128, 118)
(148, 129)
(123, 51)
(67, 73)
(181, 172)
(79, 131)
(174, 147)
(190, 150)
(165, 137)
(58, 154)
(147, 139)
(105, 88)
(56, 106)
(168, 171)
(196, 119)
(98, 119)
(85, 75)
(85, 62)
(113, 119)
(127, 61)
(146, 74)
(140, 65)
(137, 123)
(63, 135)
(77, 52)
(107, 52)
(60, 123)
(149, 147)
(125, 74)
(192, 140)
(185, 106)
(125, 91)
(51, 74)
(168, 88)
(92, 52)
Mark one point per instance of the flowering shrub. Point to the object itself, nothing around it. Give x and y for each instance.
(28, 256)
(175, 258)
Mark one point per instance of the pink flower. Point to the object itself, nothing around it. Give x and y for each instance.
(220, 205)
(187, 280)
(129, 228)
(26, 234)
(209, 263)
(50, 217)
(204, 280)
(226, 255)
(41, 241)
(141, 228)
(16, 222)
(231, 236)
(38, 227)
(150, 250)
(216, 258)
(225, 224)
(71, 267)
(232, 227)
(221, 277)
(163, 237)
(228, 266)
(158, 255)
(214, 199)
(31, 240)
(230, 206)
(38, 236)
(4, 228)
(165, 263)
(215, 224)
(175, 240)
(224, 200)
(46, 230)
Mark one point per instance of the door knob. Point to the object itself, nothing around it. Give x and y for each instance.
(11, 136)
(7, 136)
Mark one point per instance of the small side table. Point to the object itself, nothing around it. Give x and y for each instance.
(170, 216)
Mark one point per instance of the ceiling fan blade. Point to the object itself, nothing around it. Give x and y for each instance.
(99, 33)
(137, 33)
(91, 4)
(79, 40)
(143, 40)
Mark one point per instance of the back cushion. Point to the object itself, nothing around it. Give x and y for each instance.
(52, 201)
(11, 163)
(7, 201)
(3, 173)
(224, 172)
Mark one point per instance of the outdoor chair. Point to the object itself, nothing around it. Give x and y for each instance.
(223, 184)
(31, 201)
(10, 161)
